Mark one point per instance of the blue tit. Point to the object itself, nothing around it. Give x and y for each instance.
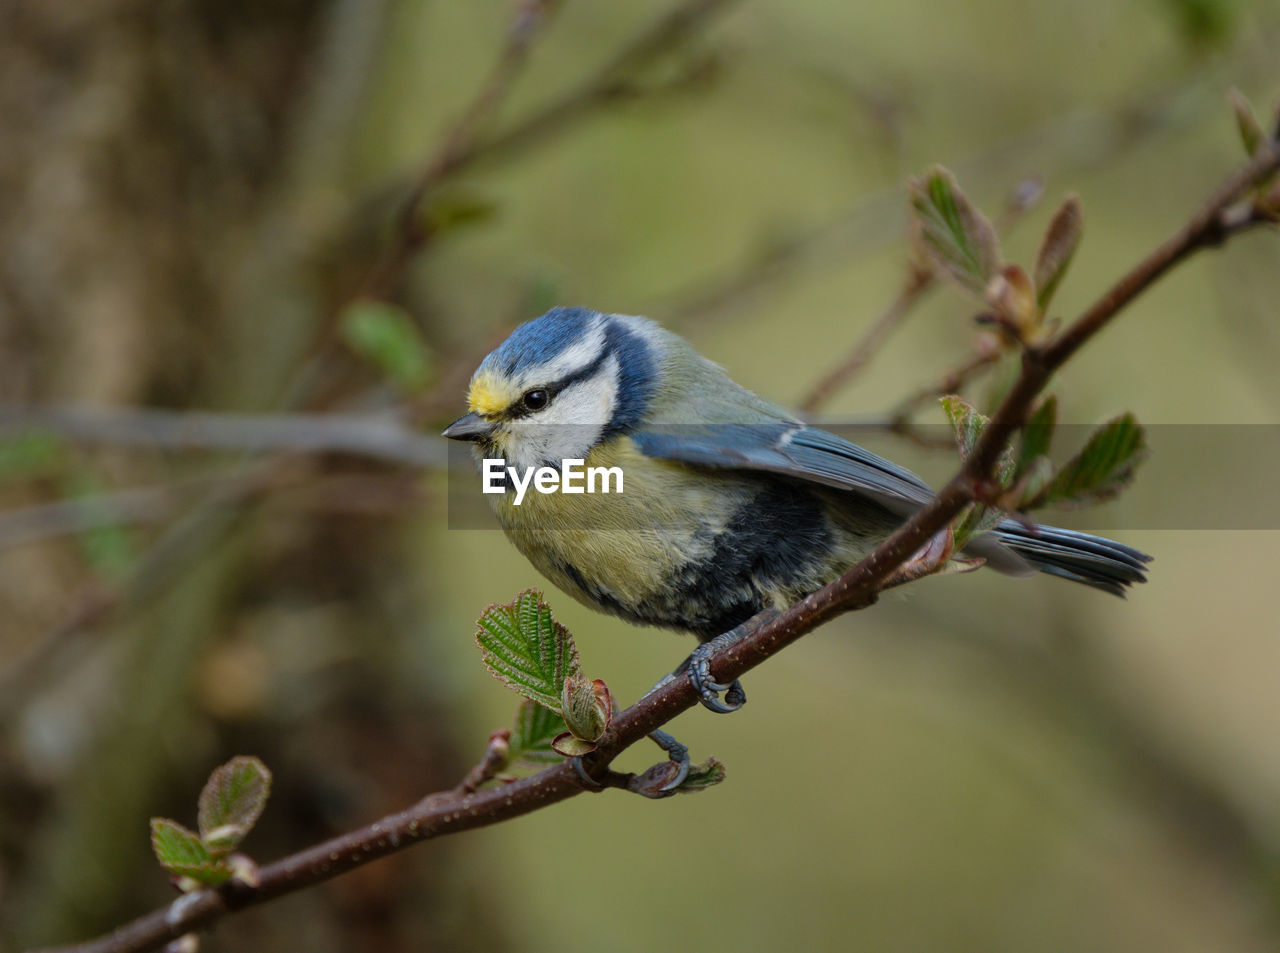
(729, 506)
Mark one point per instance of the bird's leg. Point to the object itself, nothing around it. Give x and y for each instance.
(698, 665)
(677, 753)
(645, 784)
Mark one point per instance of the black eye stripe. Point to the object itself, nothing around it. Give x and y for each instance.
(519, 408)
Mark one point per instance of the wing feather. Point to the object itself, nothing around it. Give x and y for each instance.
(793, 450)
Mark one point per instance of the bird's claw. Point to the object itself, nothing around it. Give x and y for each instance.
(707, 687)
(587, 780)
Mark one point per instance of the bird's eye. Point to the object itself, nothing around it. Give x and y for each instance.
(535, 399)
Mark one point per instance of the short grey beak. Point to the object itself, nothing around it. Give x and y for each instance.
(470, 427)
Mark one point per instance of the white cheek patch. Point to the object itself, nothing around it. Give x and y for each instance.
(572, 423)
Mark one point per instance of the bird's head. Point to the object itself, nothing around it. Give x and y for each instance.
(559, 386)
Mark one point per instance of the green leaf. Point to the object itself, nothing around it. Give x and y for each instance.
(1037, 434)
(702, 776)
(524, 647)
(951, 232)
(531, 737)
(182, 852)
(28, 453)
(454, 209)
(232, 801)
(975, 520)
(1251, 133)
(968, 425)
(108, 546)
(966, 422)
(1058, 248)
(386, 336)
(1104, 467)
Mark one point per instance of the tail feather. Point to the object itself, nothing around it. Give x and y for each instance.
(1092, 560)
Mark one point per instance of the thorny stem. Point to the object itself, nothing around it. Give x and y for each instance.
(459, 810)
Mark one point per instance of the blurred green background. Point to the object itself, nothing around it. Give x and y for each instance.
(197, 192)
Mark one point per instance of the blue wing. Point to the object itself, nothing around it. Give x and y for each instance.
(794, 450)
(805, 453)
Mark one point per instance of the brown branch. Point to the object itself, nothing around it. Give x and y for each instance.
(461, 810)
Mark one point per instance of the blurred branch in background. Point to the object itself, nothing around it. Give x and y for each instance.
(919, 281)
(380, 436)
(1059, 149)
(466, 143)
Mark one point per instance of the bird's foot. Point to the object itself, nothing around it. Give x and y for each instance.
(661, 780)
(698, 665)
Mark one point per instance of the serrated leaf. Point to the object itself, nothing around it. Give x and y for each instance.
(1037, 434)
(182, 852)
(528, 650)
(1104, 467)
(232, 801)
(951, 232)
(702, 776)
(534, 729)
(1251, 133)
(386, 336)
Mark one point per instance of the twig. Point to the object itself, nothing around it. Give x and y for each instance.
(459, 146)
(436, 816)
(153, 572)
(988, 352)
(464, 144)
(912, 290)
(40, 521)
(612, 81)
(378, 436)
(918, 282)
